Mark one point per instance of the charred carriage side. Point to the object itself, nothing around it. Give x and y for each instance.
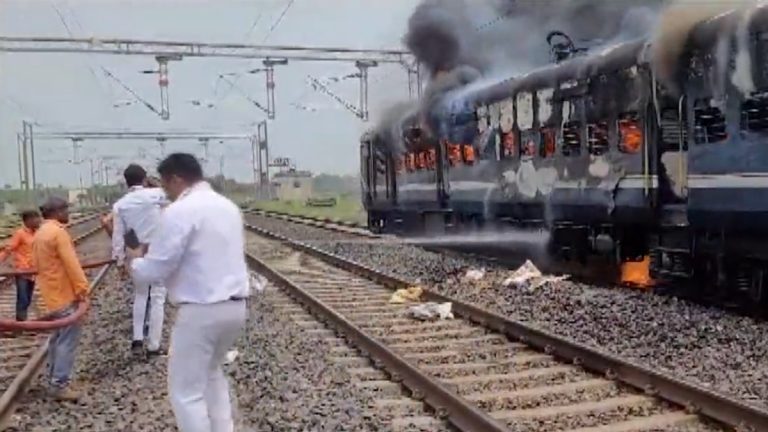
(719, 232)
(563, 148)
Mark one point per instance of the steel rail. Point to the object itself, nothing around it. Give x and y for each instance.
(695, 398)
(446, 403)
(27, 374)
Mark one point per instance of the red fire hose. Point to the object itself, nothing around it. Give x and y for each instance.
(46, 322)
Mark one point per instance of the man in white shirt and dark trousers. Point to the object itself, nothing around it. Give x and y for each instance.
(139, 211)
(198, 251)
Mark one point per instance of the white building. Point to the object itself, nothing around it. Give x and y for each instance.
(292, 185)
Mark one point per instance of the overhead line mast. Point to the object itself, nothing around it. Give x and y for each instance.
(165, 50)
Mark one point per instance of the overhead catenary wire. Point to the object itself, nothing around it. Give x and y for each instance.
(271, 30)
(131, 91)
(63, 20)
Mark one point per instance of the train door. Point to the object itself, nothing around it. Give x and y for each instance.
(391, 170)
(365, 173)
(672, 161)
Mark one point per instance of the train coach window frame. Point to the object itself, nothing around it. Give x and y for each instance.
(453, 153)
(410, 162)
(571, 139)
(510, 145)
(754, 113)
(598, 138)
(630, 133)
(399, 164)
(468, 154)
(709, 122)
(548, 145)
(431, 156)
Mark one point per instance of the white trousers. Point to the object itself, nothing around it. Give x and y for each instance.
(155, 297)
(201, 337)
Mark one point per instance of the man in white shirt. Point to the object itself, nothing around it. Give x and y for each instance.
(139, 210)
(198, 251)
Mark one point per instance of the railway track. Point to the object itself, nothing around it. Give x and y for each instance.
(480, 371)
(22, 355)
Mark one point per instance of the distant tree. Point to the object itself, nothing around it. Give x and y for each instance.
(334, 184)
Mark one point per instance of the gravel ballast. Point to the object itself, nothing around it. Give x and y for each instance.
(282, 379)
(705, 345)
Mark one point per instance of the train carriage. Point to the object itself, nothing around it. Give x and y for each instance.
(609, 160)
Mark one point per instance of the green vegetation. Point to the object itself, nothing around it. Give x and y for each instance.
(348, 208)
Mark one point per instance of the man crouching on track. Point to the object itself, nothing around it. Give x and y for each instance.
(20, 247)
(61, 283)
(139, 211)
(198, 250)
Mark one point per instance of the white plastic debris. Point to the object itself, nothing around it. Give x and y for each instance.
(231, 356)
(529, 277)
(474, 274)
(258, 282)
(431, 311)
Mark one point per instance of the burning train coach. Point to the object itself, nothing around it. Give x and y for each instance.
(607, 151)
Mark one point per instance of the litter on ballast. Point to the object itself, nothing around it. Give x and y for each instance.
(431, 311)
(258, 282)
(529, 277)
(231, 356)
(405, 295)
(474, 274)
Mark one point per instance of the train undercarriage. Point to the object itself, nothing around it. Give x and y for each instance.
(715, 268)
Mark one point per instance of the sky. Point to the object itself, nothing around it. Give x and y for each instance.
(71, 92)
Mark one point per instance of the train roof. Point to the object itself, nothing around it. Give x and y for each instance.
(708, 32)
(602, 60)
(615, 57)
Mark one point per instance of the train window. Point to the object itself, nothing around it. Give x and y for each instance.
(709, 123)
(524, 110)
(481, 117)
(630, 134)
(421, 160)
(468, 153)
(410, 162)
(597, 138)
(399, 164)
(431, 159)
(754, 113)
(509, 144)
(530, 145)
(548, 142)
(507, 116)
(674, 130)
(544, 98)
(571, 138)
(454, 153)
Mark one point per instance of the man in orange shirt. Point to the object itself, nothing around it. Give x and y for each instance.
(62, 284)
(20, 247)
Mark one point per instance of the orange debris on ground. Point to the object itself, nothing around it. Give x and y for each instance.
(637, 273)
